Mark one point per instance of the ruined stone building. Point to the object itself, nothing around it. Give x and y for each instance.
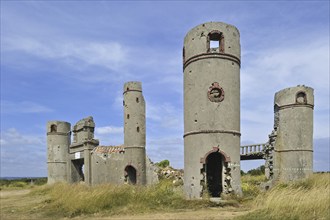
(85, 160)
(212, 151)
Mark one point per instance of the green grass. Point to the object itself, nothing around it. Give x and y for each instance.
(22, 183)
(250, 186)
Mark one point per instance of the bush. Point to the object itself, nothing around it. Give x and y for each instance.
(256, 172)
(163, 163)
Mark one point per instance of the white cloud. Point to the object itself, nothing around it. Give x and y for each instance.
(12, 137)
(78, 53)
(110, 135)
(170, 148)
(165, 115)
(22, 154)
(22, 107)
(280, 66)
(109, 130)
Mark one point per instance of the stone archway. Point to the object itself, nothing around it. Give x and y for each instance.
(130, 175)
(214, 176)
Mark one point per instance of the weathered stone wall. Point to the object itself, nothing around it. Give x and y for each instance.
(108, 165)
(211, 105)
(58, 142)
(294, 141)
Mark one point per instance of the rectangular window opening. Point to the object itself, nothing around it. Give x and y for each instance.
(214, 44)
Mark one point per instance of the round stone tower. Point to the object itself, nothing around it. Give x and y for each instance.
(293, 158)
(58, 142)
(211, 64)
(134, 133)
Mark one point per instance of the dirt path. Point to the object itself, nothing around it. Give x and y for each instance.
(205, 214)
(13, 193)
(19, 204)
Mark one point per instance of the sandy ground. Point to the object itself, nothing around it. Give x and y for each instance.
(18, 204)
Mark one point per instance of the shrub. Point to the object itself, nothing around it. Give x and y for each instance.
(163, 163)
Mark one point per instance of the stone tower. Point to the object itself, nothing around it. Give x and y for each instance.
(134, 133)
(293, 150)
(58, 142)
(211, 64)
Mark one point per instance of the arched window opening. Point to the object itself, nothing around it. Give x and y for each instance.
(53, 128)
(130, 175)
(215, 42)
(301, 98)
(213, 169)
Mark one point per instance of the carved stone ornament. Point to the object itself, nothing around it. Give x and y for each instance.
(215, 93)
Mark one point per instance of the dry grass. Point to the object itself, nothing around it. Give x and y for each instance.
(76, 199)
(250, 186)
(305, 199)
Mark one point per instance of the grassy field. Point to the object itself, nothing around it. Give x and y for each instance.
(308, 199)
(305, 199)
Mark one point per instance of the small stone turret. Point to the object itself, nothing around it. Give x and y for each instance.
(134, 133)
(83, 130)
(293, 157)
(58, 142)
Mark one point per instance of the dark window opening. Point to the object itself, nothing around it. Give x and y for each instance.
(137, 100)
(214, 163)
(127, 116)
(53, 128)
(130, 175)
(78, 170)
(183, 55)
(138, 129)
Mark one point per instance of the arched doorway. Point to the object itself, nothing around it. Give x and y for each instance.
(130, 175)
(213, 168)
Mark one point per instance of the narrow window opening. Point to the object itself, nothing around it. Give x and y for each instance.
(127, 116)
(138, 129)
(137, 100)
(53, 128)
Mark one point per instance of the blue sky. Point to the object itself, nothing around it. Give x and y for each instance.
(66, 60)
